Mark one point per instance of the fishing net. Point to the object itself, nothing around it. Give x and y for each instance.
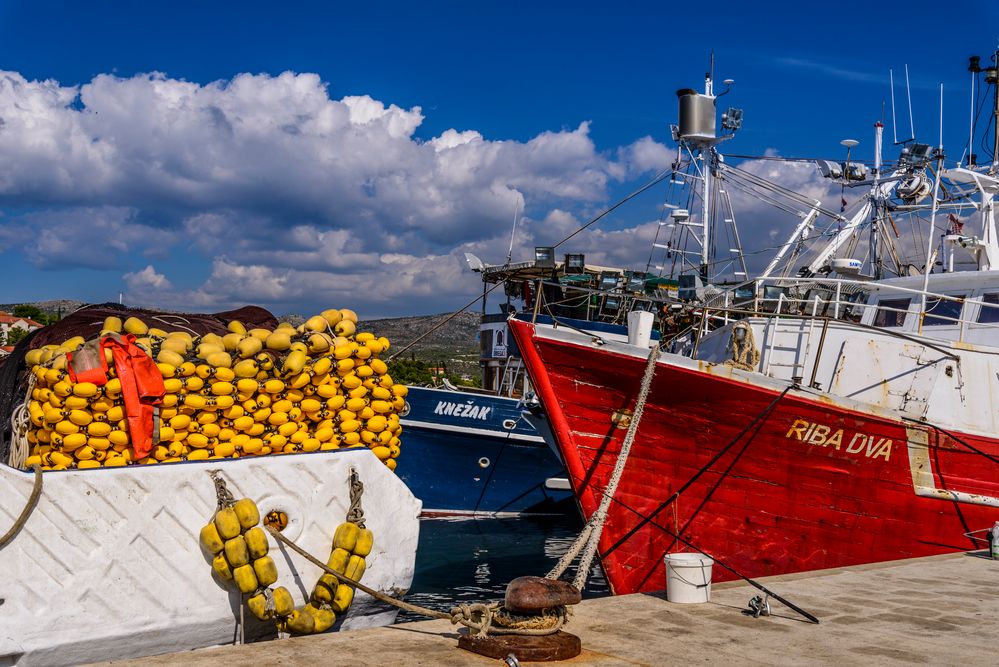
(87, 322)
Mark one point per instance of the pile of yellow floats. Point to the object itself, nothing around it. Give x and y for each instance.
(257, 392)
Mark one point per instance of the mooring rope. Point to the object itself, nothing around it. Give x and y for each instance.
(481, 617)
(477, 616)
(589, 537)
(36, 492)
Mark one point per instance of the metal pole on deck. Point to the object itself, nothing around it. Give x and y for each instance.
(933, 216)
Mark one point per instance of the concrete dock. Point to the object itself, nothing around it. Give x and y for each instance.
(940, 610)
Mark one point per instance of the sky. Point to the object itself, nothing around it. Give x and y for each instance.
(201, 156)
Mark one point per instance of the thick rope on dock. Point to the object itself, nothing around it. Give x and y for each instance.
(481, 617)
(589, 536)
(36, 492)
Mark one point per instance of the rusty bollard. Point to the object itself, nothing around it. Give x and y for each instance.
(531, 596)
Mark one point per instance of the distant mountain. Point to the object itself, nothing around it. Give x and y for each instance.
(454, 344)
(61, 307)
(459, 333)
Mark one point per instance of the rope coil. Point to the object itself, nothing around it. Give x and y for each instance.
(20, 423)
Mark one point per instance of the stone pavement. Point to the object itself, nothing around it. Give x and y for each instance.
(937, 610)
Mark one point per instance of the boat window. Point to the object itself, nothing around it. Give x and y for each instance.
(854, 312)
(891, 312)
(771, 297)
(990, 308)
(943, 312)
(824, 297)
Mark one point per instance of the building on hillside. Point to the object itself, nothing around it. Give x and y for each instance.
(8, 322)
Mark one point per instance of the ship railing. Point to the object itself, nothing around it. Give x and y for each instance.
(597, 302)
(826, 321)
(852, 309)
(845, 301)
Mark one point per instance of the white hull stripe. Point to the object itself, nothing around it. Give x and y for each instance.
(921, 467)
(505, 435)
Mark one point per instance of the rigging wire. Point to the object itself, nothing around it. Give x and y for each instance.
(658, 178)
(983, 91)
(779, 158)
(661, 224)
(655, 181)
(776, 189)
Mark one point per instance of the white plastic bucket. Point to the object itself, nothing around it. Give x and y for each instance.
(688, 577)
(640, 328)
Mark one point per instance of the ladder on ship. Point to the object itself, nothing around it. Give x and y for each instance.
(512, 372)
(686, 237)
(772, 330)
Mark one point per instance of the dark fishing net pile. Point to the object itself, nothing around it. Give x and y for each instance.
(87, 322)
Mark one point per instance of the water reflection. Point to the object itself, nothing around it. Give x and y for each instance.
(472, 560)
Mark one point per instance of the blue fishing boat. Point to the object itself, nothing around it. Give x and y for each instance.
(474, 453)
(485, 451)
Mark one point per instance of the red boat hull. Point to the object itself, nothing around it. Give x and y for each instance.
(811, 485)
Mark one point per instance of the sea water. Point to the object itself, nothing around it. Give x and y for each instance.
(473, 559)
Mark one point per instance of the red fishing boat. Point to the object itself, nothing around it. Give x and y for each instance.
(829, 413)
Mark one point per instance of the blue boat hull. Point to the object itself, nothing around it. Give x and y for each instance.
(466, 453)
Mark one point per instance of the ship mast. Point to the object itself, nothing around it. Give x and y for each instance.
(985, 251)
(707, 156)
(696, 133)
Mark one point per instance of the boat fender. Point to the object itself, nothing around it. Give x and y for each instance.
(743, 347)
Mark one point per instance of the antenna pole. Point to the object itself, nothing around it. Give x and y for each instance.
(712, 73)
(894, 127)
(876, 203)
(933, 215)
(709, 88)
(908, 94)
(995, 129)
(878, 130)
(971, 123)
(516, 213)
(941, 118)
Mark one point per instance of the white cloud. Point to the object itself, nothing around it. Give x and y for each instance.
(275, 185)
(762, 226)
(106, 238)
(647, 154)
(146, 280)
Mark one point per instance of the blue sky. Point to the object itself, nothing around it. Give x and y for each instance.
(424, 126)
